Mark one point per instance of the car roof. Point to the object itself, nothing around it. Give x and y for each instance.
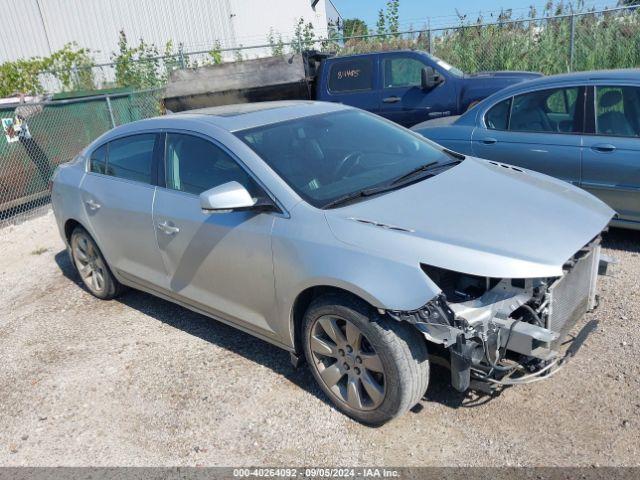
(627, 74)
(244, 116)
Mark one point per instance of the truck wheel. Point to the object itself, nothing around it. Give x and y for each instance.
(92, 267)
(372, 367)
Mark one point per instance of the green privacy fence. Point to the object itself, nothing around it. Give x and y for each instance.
(37, 137)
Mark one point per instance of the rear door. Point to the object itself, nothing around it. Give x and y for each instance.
(539, 130)
(117, 193)
(352, 81)
(402, 98)
(611, 154)
(218, 262)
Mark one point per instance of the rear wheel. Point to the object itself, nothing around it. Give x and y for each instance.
(372, 367)
(92, 267)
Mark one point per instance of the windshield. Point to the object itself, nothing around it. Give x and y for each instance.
(326, 157)
(456, 72)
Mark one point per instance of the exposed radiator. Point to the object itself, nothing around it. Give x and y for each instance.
(573, 294)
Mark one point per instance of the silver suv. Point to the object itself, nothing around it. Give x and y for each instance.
(342, 238)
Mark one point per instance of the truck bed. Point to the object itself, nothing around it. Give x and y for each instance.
(258, 80)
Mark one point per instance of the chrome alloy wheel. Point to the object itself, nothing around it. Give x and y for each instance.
(89, 262)
(347, 363)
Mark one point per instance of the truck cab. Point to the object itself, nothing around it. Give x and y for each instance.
(407, 86)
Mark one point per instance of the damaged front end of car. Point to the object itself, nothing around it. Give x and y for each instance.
(506, 331)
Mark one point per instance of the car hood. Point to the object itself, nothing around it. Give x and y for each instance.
(479, 217)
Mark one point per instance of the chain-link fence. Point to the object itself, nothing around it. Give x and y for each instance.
(548, 44)
(37, 137)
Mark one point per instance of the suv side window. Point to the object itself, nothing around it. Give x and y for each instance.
(351, 75)
(552, 110)
(402, 72)
(194, 165)
(618, 111)
(131, 157)
(497, 118)
(98, 160)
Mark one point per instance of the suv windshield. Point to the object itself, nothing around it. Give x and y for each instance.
(328, 157)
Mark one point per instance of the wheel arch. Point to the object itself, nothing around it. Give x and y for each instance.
(304, 299)
(69, 226)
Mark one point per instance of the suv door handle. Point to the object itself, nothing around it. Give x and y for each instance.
(92, 204)
(489, 141)
(603, 147)
(167, 228)
(393, 99)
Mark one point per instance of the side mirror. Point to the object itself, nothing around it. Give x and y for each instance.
(429, 78)
(226, 198)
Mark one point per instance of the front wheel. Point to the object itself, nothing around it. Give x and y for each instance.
(373, 368)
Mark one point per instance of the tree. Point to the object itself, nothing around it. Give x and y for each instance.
(381, 27)
(354, 27)
(393, 17)
(628, 3)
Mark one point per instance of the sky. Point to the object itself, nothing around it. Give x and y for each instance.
(443, 12)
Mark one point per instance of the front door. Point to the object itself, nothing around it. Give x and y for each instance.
(117, 195)
(220, 263)
(611, 157)
(402, 98)
(539, 130)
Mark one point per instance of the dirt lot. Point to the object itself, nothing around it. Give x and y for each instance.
(140, 381)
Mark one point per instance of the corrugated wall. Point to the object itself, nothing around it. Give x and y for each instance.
(34, 27)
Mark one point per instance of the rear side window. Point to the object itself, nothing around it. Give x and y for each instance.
(497, 118)
(553, 111)
(98, 160)
(131, 157)
(618, 111)
(351, 75)
(194, 165)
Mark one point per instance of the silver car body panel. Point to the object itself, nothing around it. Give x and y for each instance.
(248, 269)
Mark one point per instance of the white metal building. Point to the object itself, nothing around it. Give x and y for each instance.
(38, 27)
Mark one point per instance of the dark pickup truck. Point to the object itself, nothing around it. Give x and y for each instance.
(405, 86)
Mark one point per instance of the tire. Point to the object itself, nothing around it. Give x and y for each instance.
(92, 267)
(369, 390)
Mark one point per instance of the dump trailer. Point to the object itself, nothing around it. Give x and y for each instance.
(405, 86)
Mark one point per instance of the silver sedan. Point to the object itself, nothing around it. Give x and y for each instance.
(341, 237)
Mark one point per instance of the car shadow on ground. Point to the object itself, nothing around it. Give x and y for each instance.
(621, 239)
(255, 349)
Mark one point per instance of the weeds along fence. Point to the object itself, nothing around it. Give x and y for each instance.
(550, 44)
(37, 137)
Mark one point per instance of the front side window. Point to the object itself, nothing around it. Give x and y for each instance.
(98, 160)
(618, 111)
(553, 110)
(402, 72)
(131, 157)
(194, 165)
(497, 118)
(351, 75)
(325, 157)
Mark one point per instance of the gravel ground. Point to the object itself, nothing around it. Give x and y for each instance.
(140, 381)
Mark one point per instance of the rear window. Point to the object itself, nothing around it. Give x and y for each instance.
(351, 75)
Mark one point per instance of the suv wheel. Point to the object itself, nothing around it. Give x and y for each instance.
(92, 267)
(372, 367)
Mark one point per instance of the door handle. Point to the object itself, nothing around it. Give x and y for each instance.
(603, 147)
(167, 228)
(92, 204)
(391, 99)
(489, 141)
